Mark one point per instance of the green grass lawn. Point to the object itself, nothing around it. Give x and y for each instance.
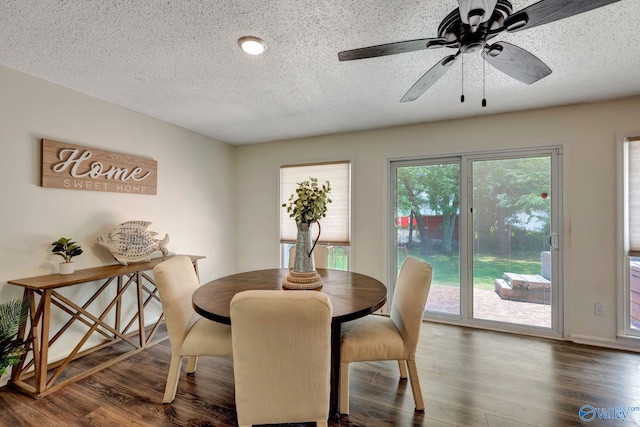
(486, 268)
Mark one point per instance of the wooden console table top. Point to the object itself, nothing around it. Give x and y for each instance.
(52, 281)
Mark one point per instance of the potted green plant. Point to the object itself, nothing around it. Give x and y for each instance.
(67, 249)
(13, 314)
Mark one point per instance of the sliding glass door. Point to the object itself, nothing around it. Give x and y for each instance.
(511, 253)
(489, 226)
(428, 226)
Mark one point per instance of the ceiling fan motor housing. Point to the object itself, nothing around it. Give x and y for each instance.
(473, 42)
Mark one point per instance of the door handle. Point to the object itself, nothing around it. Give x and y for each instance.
(554, 241)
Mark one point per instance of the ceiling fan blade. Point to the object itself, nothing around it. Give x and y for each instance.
(516, 62)
(391, 48)
(546, 11)
(475, 12)
(429, 78)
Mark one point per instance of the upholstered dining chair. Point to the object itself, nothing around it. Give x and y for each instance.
(190, 334)
(320, 256)
(396, 337)
(281, 356)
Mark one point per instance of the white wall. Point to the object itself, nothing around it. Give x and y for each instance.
(193, 204)
(589, 132)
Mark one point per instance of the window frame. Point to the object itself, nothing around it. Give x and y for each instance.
(624, 329)
(347, 246)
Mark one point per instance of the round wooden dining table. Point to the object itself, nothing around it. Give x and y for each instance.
(352, 296)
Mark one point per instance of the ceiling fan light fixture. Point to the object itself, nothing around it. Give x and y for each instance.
(252, 45)
(475, 12)
(475, 18)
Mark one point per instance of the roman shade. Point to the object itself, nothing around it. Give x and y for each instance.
(633, 194)
(336, 225)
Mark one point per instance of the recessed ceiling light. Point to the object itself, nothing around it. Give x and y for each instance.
(252, 45)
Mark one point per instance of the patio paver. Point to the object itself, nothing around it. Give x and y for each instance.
(488, 305)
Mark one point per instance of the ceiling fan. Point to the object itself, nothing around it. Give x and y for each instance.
(470, 28)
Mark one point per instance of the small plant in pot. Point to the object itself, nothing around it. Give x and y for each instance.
(67, 249)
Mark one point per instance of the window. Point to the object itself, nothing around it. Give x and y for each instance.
(335, 230)
(629, 154)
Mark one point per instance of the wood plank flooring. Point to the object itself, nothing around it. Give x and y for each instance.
(469, 378)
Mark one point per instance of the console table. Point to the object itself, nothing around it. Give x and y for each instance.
(35, 375)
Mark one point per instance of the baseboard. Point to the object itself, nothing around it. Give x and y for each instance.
(616, 344)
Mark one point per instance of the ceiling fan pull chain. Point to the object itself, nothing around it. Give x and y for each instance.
(484, 97)
(462, 96)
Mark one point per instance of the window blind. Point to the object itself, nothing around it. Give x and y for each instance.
(335, 227)
(633, 195)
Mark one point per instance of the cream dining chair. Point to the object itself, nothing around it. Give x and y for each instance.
(396, 337)
(320, 256)
(190, 334)
(281, 356)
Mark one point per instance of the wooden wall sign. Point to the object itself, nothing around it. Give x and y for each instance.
(75, 167)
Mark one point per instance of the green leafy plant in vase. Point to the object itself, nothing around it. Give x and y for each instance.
(306, 206)
(13, 314)
(67, 249)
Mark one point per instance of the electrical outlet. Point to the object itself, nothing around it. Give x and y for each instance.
(599, 309)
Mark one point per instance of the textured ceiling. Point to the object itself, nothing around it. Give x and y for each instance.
(179, 61)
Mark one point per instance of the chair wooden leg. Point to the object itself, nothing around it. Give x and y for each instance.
(344, 388)
(403, 368)
(192, 364)
(172, 379)
(415, 385)
(321, 423)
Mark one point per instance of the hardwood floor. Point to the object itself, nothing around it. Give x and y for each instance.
(468, 377)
